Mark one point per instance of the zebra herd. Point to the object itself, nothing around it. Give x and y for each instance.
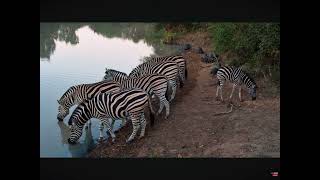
(125, 97)
(122, 96)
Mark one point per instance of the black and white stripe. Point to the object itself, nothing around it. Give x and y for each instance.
(113, 106)
(153, 83)
(168, 69)
(76, 94)
(237, 77)
(175, 58)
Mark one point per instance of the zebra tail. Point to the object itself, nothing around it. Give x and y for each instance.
(151, 112)
(186, 71)
(167, 90)
(181, 81)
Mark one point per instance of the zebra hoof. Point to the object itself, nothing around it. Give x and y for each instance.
(129, 141)
(218, 99)
(117, 131)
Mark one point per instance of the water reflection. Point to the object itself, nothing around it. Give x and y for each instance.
(52, 32)
(80, 149)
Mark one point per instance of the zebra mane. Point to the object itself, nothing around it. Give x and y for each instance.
(66, 94)
(136, 69)
(115, 71)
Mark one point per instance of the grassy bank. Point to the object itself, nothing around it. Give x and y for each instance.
(253, 46)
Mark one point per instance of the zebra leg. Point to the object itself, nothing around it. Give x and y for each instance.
(167, 105)
(233, 87)
(135, 119)
(101, 131)
(88, 124)
(161, 105)
(221, 96)
(240, 98)
(174, 90)
(107, 124)
(143, 125)
(112, 123)
(217, 93)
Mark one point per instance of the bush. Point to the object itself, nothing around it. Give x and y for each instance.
(256, 44)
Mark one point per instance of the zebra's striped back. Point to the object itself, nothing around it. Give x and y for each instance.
(148, 83)
(117, 105)
(175, 58)
(168, 69)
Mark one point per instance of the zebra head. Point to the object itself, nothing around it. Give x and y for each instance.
(63, 110)
(108, 75)
(75, 133)
(79, 117)
(66, 101)
(253, 92)
(113, 75)
(75, 124)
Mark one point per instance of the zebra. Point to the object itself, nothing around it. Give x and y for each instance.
(152, 84)
(116, 105)
(179, 59)
(168, 69)
(78, 93)
(237, 77)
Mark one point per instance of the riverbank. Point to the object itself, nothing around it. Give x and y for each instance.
(192, 130)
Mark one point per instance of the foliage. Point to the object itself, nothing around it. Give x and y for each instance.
(256, 45)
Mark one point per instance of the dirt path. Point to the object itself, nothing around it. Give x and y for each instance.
(192, 130)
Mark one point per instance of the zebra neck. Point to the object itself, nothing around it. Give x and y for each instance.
(121, 79)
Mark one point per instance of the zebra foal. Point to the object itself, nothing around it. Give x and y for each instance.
(237, 77)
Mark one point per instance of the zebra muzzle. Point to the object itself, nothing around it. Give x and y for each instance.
(71, 142)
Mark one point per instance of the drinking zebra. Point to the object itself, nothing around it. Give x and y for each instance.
(76, 94)
(153, 83)
(168, 69)
(175, 58)
(117, 105)
(237, 77)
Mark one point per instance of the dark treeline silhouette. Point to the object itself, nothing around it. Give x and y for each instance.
(147, 32)
(50, 32)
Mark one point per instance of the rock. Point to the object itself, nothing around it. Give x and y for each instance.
(187, 47)
(199, 50)
(209, 57)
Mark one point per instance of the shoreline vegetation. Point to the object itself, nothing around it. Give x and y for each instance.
(253, 46)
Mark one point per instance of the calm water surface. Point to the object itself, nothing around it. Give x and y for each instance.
(72, 54)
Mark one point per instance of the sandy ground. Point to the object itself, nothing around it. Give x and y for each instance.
(193, 130)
